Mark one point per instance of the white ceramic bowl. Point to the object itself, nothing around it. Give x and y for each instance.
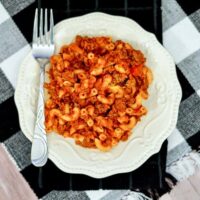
(149, 134)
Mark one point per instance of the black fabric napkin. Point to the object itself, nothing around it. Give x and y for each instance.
(151, 173)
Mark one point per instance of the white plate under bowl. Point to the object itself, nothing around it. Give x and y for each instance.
(148, 135)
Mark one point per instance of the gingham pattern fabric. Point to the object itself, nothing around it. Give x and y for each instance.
(181, 37)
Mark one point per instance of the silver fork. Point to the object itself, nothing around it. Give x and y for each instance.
(42, 48)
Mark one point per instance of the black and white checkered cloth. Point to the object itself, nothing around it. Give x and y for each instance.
(181, 37)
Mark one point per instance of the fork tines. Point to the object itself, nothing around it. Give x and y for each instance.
(43, 35)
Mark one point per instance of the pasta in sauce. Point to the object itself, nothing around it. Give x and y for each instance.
(96, 87)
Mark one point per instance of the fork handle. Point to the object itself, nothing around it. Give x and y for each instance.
(39, 152)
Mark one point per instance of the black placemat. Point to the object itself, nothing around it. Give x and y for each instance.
(149, 175)
(148, 14)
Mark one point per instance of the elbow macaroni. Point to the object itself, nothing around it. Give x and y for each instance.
(95, 91)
